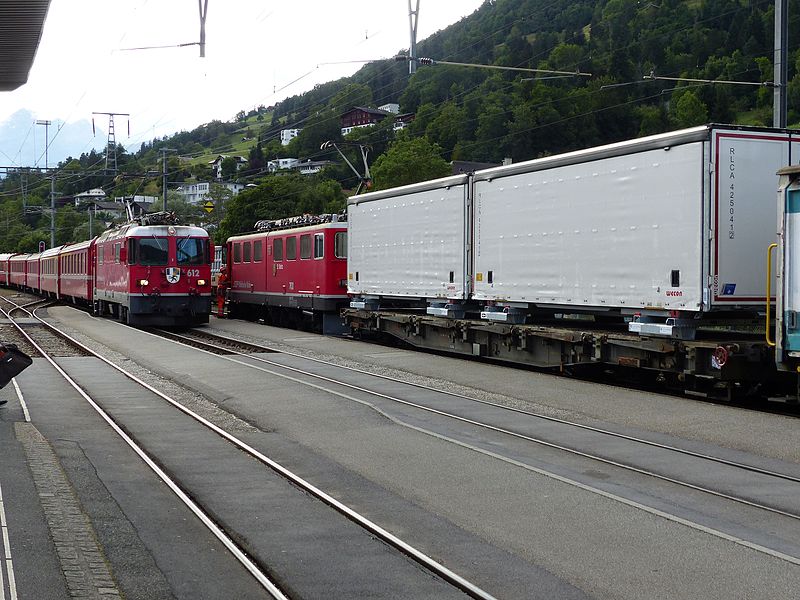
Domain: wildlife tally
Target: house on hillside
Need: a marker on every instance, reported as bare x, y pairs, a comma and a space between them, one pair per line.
216, 164
280, 164
311, 167
287, 135
197, 193
93, 195
115, 210
139, 199
403, 121
361, 116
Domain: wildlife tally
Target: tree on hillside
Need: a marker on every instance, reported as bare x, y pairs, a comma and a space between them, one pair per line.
255, 159
690, 110
409, 161
67, 220
229, 167
188, 214
280, 196
355, 94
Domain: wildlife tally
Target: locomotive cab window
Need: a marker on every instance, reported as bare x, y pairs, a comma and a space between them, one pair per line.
132, 251
319, 245
277, 249
340, 245
305, 246
153, 251
257, 251
192, 251
116, 252
237, 253
246, 248
291, 248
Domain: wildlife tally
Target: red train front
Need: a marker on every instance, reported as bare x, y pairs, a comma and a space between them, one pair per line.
154, 273
292, 272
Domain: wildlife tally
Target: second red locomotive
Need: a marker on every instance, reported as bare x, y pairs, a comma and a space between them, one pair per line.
290, 272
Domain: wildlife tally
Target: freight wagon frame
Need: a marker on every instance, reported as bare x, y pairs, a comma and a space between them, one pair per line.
725, 365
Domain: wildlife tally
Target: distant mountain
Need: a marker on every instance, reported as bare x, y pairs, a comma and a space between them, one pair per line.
23, 144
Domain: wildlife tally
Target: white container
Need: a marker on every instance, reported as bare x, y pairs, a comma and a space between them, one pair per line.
410, 242
676, 221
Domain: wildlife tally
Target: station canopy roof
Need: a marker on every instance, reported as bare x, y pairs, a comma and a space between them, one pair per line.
21, 24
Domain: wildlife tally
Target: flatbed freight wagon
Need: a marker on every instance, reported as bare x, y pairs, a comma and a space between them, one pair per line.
618, 254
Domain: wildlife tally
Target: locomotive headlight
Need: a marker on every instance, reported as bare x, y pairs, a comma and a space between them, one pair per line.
201, 282
144, 282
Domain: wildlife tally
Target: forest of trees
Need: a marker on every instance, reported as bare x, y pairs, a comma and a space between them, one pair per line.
608, 49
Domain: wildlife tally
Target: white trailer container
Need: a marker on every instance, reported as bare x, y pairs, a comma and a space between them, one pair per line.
672, 222
410, 242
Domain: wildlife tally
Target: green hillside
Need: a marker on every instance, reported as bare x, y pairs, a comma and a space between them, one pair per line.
607, 53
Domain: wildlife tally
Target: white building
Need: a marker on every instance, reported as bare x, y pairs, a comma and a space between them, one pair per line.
93, 195
216, 164
197, 193
142, 200
287, 135
280, 164
310, 167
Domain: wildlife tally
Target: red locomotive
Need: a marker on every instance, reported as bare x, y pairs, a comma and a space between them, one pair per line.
147, 272
290, 272
153, 272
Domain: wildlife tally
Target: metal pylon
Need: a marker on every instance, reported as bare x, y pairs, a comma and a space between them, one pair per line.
111, 146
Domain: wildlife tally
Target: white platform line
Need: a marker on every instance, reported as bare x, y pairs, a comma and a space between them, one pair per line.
12, 582
22, 401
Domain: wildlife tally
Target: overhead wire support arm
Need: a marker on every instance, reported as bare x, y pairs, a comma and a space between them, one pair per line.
366, 179
429, 61
654, 77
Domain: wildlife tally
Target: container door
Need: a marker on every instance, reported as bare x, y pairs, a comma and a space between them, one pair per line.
744, 211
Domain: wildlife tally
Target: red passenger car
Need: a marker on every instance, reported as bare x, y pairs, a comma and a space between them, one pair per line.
48, 276
294, 270
32, 271
153, 274
5, 269
17, 269
77, 271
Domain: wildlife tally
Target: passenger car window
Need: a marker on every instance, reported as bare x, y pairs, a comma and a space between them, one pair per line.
305, 246
319, 245
340, 245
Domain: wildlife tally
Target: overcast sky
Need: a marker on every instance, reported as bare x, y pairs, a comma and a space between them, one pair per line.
255, 50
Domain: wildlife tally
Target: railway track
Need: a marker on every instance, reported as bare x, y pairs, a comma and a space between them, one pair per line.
42, 337
633, 466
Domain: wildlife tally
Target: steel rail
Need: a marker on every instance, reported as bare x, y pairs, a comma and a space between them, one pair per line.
514, 434
616, 434
429, 563
216, 530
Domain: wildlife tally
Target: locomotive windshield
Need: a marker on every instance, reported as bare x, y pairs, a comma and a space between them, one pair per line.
193, 251
153, 251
